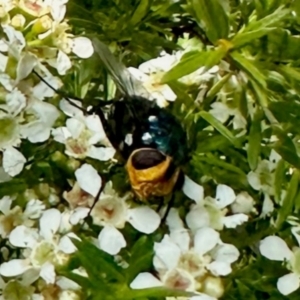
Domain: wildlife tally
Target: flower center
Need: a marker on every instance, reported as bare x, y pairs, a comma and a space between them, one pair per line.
42, 253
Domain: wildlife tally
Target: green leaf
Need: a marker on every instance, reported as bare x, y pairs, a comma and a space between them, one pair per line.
12, 187
249, 68
157, 293
211, 159
192, 61
218, 126
288, 201
212, 18
141, 258
215, 89
286, 148
254, 140
243, 38
211, 143
269, 20
140, 12
99, 265
278, 180
290, 72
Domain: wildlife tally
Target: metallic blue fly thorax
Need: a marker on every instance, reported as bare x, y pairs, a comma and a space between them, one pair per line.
165, 134
149, 126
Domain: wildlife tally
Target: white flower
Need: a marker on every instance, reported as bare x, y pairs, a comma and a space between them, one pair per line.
11, 135
12, 217
112, 212
275, 248
160, 92
222, 112
81, 136
210, 212
185, 264
262, 178
82, 47
39, 130
13, 161
43, 249
243, 203
88, 179
193, 190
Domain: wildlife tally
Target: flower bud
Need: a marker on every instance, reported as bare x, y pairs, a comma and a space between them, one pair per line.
213, 287
18, 21
42, 25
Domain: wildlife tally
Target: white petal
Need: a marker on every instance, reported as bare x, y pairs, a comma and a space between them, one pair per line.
63, 63
111, 240
88, 179
34, 209
193, 190
14, 267
30, 276
101, 153
173, 220
16, 101
220, 111
203, 297
67, 284
234, 220
224, 195
94, 124
49, 223
23, 236
79, 214
75, 127
206, 239
219, 268
3, 62
25, 65
182, 238
35, 132
143, 219
197, 218
13, 161
41, 90
288, 283
61, 134
70, 110
268, 206
48, 273
243, 203
138, 74
65, 244
82, 47
145, 280
226, 253
295, 231
5, 204
275, 248
46, 112
168, 252
58, 11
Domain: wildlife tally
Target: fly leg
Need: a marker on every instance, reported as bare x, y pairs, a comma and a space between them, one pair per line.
96, 199
161, 203
169, 206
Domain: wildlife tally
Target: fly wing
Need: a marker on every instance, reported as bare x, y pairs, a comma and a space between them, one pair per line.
127, 84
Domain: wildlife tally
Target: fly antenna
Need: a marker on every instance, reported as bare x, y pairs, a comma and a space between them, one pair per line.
59, 93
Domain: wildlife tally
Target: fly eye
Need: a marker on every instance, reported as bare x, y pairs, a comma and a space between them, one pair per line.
147, 158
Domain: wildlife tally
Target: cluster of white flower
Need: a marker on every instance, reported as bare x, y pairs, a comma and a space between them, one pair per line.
36, 36
23, 113
194, 259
